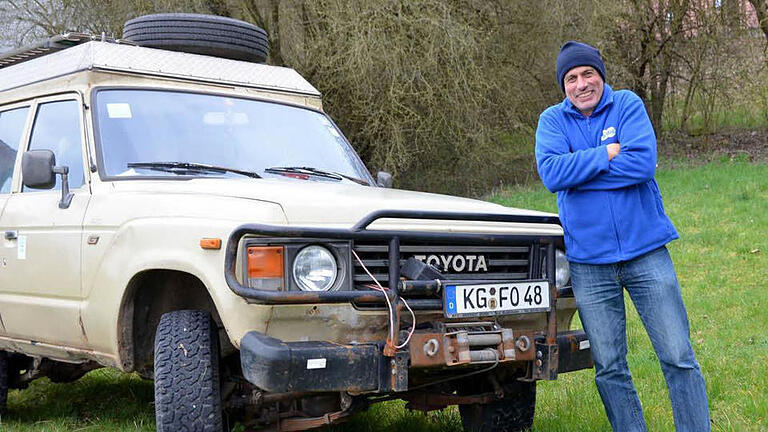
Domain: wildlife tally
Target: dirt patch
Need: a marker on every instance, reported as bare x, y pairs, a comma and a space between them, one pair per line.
678, 147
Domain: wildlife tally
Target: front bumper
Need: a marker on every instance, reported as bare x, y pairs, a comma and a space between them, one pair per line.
320, 366
377, 367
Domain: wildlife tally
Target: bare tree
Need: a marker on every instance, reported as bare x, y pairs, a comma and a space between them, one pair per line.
22, 21
761, 10
446, 93
266, 14
643, 43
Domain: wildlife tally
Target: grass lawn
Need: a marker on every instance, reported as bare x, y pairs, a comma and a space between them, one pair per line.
721, 212
721, 258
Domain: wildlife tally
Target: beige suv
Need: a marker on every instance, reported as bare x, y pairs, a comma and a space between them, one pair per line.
200, 220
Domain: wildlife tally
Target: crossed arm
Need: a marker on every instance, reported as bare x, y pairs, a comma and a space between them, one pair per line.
604, 167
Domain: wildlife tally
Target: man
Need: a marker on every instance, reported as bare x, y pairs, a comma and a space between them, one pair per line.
597, 150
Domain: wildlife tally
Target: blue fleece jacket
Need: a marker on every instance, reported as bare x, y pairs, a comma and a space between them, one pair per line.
610, 211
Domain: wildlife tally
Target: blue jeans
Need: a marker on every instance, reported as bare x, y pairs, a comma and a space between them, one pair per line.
652, 285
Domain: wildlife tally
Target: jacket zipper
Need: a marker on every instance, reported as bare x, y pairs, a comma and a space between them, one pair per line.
613, 216
610, 200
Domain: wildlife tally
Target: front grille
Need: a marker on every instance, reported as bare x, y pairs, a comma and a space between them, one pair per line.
461, 263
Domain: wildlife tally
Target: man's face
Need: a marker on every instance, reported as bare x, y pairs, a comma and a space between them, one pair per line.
584, 88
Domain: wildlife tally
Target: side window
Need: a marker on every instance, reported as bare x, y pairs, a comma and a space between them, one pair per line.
57, 128
11, 127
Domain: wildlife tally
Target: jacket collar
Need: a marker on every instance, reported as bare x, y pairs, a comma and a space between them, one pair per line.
605, 101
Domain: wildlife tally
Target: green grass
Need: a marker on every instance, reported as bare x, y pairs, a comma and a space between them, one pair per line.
721, 212
103, 400
710, 115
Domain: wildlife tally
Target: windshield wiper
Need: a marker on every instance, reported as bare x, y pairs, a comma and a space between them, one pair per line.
315, 172
189, 168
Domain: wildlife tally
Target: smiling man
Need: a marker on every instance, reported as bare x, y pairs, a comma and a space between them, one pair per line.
597, 150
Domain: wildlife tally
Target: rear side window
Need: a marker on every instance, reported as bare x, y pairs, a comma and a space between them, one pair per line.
57, 128
11, 128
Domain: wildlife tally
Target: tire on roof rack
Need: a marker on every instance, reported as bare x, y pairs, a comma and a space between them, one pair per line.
199, 34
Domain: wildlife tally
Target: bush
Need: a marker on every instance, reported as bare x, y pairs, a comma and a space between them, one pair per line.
446, 94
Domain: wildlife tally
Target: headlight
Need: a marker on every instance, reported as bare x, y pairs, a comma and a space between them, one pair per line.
314, 269
562, 269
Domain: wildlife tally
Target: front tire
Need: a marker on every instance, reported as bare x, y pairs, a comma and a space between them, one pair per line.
514, 413
187, 383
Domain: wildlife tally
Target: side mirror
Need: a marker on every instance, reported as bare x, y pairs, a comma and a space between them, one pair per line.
384, 179
38, 171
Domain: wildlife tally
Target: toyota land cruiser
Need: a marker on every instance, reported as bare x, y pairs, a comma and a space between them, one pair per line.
194, 216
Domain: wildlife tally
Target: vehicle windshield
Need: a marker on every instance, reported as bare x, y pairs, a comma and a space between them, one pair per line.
169, 133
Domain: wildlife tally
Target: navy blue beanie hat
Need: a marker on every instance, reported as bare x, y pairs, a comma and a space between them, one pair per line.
574, 54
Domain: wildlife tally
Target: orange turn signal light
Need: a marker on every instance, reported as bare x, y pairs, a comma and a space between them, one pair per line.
265, 262
210, 243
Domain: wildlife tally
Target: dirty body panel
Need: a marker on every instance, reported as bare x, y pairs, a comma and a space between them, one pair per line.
441, 342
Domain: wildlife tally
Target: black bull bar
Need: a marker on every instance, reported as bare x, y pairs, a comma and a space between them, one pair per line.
360, 231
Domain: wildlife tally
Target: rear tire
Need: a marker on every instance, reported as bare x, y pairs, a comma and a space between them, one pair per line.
187, 383
514, 413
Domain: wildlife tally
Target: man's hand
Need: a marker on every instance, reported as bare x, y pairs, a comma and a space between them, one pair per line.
613, 150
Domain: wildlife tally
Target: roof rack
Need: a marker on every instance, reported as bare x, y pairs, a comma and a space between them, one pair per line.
52, 45
33, 65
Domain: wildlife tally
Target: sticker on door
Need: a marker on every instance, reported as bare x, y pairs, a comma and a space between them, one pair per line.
21, 251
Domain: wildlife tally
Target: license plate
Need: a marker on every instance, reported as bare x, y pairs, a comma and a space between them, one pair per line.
496, 298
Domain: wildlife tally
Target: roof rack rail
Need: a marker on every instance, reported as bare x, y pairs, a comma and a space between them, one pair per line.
52, 45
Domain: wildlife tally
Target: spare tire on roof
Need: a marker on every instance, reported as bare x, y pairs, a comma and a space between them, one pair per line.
199, 34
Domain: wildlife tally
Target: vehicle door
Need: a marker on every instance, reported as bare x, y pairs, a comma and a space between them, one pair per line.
14, 121
41, 285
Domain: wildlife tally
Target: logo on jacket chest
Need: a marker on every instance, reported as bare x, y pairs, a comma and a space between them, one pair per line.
608, 133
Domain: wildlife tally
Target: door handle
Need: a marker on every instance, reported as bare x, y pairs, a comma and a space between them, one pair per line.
11, 235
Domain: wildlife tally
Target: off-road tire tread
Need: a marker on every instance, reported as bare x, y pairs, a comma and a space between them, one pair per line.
187, 387
514, 413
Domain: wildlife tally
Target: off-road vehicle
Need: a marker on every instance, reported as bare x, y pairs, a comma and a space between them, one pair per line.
174, 207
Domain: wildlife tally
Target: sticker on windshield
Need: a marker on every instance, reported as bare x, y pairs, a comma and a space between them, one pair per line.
119, 110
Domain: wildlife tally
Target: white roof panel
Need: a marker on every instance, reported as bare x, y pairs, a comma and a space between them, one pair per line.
148, 61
